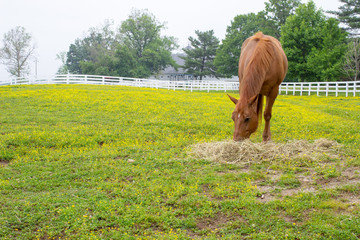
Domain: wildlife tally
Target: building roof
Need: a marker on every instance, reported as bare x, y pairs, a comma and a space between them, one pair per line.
179, 61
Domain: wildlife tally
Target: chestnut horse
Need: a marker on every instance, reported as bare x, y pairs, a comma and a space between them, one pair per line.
262, 68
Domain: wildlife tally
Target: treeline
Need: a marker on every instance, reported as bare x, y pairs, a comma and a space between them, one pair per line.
134, 49
318, 49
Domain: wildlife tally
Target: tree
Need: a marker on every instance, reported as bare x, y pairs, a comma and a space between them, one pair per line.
242, 27
349, 14
86, 52
326, 62
63, 69
136, 50
313, 45
140, 33
140, 30
17, 51
277, 11
351, 66
157, 56
199, 59
75, 55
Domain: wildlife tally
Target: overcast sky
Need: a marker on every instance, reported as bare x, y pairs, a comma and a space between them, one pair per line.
55, 24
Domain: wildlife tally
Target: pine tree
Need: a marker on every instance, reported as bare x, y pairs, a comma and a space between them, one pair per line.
199, 59
349, 14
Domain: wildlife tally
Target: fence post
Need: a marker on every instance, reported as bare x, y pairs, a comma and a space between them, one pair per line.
318, 89
67, 79
294, 88
336, 89
347, 88
355, 83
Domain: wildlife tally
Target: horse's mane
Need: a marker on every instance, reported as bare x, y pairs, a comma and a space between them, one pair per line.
258, 64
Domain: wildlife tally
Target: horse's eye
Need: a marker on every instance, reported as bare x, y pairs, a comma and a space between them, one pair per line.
247, 119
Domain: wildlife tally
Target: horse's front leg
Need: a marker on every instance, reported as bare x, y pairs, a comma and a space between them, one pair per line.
267, 114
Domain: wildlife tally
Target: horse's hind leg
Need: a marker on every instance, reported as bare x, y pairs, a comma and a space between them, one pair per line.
267, 114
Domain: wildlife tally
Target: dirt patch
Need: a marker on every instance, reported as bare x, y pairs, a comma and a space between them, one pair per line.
308, 185
214, 224
4, 163
247, 152
351, 173
287, 218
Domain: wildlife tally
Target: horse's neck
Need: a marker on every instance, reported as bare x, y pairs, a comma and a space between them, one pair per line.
248, 90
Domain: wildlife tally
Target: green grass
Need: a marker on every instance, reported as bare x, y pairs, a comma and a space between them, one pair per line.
108, 162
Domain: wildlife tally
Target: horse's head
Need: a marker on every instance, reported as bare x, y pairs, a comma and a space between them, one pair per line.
245, 117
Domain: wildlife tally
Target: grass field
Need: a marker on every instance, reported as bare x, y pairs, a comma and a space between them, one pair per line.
108, 162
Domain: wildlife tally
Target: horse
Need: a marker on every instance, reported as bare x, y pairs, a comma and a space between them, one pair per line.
262, 67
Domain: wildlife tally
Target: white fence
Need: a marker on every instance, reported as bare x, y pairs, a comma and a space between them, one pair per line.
319, 88
326, 88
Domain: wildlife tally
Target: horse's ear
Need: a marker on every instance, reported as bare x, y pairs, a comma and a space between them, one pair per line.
234, 100
252, 100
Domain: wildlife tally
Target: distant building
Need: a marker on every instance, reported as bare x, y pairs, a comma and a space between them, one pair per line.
170, 73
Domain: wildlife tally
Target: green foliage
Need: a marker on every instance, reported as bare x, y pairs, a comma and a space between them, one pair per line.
86, 55
75, 55
313, 44
277, 11
137, 50
227, 56
157, 56
326, 62
199, 59
349, 14
139, 31
246, 25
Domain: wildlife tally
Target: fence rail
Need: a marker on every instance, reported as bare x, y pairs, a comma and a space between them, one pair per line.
327, 88
288, 88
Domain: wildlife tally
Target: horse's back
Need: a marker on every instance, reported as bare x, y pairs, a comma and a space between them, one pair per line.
267, 54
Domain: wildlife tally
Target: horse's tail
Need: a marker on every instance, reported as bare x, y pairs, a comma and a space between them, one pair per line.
260, 108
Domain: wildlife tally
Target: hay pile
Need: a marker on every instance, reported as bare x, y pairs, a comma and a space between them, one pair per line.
247, 152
